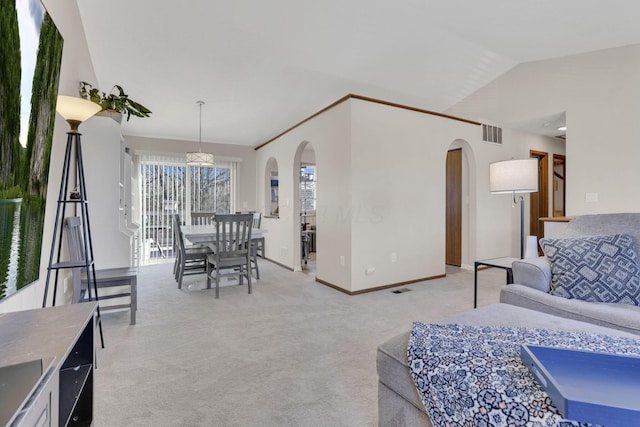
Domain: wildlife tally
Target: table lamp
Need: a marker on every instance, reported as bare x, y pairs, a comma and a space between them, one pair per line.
515, 176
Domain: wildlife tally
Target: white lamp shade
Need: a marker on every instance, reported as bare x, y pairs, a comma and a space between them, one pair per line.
76, 109
514, 176
200, 159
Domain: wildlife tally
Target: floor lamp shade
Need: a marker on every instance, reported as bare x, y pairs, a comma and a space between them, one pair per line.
76, 110
514, 176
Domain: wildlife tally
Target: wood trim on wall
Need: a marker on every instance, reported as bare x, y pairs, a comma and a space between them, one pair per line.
365, 98
278, 264
542, 195
563, 159
378, 288
418, 110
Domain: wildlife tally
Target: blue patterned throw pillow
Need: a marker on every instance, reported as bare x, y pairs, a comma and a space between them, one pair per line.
595, 269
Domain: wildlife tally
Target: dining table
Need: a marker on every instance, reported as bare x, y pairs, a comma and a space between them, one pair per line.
206, 234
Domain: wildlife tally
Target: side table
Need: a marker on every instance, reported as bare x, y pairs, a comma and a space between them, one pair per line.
504, 263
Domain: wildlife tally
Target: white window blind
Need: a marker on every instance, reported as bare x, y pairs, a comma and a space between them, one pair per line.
307, 188
169, 187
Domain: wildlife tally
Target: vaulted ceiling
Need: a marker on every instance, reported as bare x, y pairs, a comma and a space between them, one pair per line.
262, 66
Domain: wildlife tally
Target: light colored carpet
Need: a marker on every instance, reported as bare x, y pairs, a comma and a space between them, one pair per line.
294, 353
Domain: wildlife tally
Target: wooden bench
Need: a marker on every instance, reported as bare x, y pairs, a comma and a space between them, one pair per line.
117, 277
124, 277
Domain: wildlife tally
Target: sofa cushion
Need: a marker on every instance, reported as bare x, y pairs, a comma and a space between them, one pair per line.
594, 269
605, 224
622, 317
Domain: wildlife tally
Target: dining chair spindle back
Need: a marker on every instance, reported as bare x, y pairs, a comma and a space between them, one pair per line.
189, 259
202, 218
231, 251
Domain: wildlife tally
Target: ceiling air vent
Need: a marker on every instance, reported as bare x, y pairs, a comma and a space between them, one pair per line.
492, 134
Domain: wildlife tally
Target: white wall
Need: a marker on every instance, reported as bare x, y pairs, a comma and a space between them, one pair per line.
329, 134
101, 159
601, 96
381, 190
246, 173
399, 159
399, 173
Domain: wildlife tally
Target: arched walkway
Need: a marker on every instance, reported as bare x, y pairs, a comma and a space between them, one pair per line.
304, 195
461, 204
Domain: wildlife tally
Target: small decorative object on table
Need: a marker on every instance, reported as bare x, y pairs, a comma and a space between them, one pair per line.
74, 194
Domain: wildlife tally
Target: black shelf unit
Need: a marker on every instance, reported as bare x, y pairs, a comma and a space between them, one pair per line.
76, 382
73, 166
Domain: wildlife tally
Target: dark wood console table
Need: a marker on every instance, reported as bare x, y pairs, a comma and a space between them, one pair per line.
63, 394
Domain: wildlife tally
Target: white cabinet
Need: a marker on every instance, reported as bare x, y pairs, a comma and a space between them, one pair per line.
128, 224
108, 193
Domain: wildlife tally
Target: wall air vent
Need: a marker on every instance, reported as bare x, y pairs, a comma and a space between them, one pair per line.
492, 134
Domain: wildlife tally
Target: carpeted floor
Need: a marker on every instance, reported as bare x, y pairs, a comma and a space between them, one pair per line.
294, 353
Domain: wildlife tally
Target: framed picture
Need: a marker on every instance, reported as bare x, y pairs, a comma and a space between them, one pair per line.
30, 56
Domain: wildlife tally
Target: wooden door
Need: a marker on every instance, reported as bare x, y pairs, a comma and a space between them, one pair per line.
454, 208
539, 202
559, 184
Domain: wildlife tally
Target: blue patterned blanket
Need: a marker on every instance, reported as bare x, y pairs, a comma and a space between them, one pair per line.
473, 376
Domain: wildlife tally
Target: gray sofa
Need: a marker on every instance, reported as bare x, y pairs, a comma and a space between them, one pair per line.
398, 401
532, 278
524, 304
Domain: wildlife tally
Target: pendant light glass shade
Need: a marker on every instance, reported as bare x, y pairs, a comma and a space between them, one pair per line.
199, 158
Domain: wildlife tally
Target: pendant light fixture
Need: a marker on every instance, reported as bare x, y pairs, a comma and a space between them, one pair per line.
200, 158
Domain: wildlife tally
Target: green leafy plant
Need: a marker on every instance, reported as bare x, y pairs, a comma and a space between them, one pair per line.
114, 101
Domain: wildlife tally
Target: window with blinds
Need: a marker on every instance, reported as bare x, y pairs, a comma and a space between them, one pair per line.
307, 188
169, 186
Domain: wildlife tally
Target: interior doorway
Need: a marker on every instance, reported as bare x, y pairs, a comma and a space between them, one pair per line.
305, 194
454, 208
539, 202
559, 184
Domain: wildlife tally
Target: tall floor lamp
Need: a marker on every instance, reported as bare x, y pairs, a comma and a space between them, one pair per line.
74, 111
515, 176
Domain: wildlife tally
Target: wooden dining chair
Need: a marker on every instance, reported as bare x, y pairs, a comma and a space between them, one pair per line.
121, 281
257, 244
189, 259
202, 218
257, 220
232, 250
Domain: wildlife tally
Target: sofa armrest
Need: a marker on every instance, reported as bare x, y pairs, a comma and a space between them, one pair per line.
623, 317
533, 272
